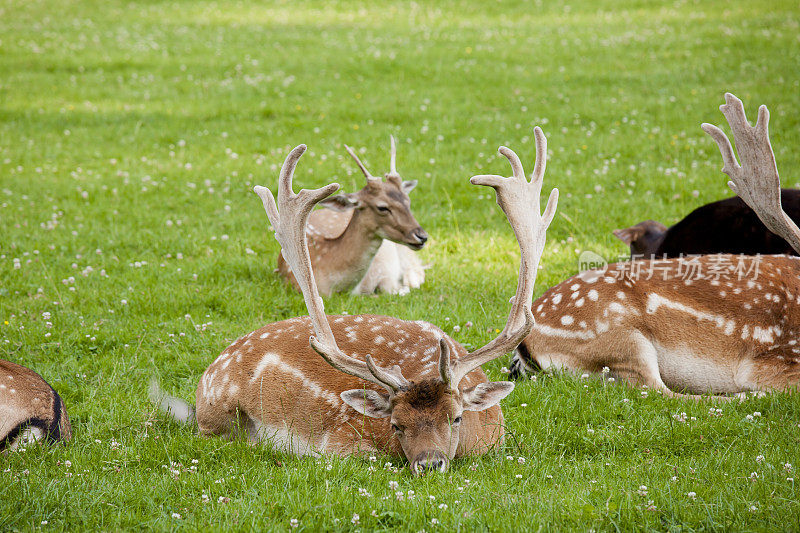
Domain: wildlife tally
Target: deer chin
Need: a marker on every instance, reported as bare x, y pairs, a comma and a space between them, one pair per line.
415, 246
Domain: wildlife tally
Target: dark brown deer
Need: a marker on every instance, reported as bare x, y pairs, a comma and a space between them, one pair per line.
727, 226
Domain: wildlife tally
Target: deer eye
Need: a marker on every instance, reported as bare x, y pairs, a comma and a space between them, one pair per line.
396, 428
383, 210
456, 420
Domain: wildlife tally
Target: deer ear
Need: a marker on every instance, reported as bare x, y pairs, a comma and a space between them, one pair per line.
628, 235
485, 395
409, 185
368, 402
341, 202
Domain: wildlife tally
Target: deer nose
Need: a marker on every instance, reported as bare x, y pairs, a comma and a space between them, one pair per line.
421, 235
429, 462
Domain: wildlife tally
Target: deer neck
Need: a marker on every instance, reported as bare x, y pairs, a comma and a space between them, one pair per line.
357, 247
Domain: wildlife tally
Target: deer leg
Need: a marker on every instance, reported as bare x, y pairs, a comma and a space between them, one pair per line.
636, 362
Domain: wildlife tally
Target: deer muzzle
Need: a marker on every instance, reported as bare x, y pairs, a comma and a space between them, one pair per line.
417, 238
429, 462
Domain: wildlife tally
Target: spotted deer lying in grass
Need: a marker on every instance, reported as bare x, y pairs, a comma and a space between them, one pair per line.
362, 241
30, 410
716, 324
366, 383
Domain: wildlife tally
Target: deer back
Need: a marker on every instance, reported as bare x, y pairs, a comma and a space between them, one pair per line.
274, 376
711, 321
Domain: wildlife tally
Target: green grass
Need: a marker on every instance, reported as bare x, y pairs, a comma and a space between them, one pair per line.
131, 133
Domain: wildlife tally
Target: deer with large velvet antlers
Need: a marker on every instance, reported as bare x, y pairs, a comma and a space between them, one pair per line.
362, 242
30, 409
365, 383
715, 324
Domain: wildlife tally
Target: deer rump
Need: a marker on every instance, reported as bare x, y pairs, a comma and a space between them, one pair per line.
727, 226
30, 409
271, 384
655, 325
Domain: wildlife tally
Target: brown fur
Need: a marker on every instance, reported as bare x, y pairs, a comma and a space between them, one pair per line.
425, 394
342, 245
27, 402
720, 336
278, 381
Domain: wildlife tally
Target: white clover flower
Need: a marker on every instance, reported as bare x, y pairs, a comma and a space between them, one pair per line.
692, 495
759, 458
394, 485
176, 516
355, 518
294, 522
642, 490
521, 460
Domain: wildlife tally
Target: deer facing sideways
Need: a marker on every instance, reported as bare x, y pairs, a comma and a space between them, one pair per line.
30, 409
345, 384
363, 241
716, 324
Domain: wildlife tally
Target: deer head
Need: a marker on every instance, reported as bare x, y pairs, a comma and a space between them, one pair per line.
383, 204
425, 415
644, 238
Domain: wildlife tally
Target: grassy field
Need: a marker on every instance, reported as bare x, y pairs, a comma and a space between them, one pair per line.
131, 134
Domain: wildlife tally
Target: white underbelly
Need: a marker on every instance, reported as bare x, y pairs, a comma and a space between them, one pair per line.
683, 370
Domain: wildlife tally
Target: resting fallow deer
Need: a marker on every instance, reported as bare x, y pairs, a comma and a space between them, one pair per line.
362, 241
715, 324
30, 410
365, 383
724, 227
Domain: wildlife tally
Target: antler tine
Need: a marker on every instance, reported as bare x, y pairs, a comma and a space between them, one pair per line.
393, 158
363, 168
519, 200
289, 218
445, 369
756, 180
